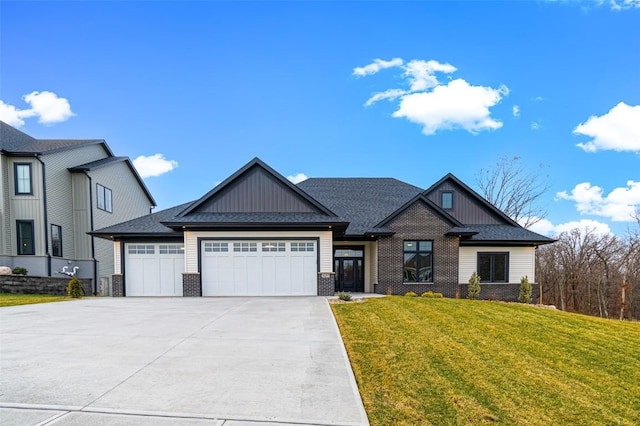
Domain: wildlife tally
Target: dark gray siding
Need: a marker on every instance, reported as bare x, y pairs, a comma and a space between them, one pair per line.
256, 192
466, 208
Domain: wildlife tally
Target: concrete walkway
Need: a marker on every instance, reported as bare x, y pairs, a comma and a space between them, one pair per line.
162, 361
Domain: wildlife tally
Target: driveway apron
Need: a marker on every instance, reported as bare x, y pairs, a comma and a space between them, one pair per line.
176, 360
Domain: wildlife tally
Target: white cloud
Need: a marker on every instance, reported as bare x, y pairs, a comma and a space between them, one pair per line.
619, 205
535, 125
617, 130
616, 5
434, 105
375, 66
624, 4
297, 178
456, 105
153, 165
47, 106
516, 111
545, 227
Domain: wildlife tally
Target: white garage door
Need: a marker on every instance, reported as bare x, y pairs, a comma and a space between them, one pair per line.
259, 268
154, 269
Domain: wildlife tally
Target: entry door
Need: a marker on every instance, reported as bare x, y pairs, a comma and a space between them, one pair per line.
349, 274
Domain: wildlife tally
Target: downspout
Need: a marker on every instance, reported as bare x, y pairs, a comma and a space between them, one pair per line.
46, 217
94, 286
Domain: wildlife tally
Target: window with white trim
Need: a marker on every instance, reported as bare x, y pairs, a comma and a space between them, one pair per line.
245, 247
215, 247
141, 249
302, 246
171, 248
274, 246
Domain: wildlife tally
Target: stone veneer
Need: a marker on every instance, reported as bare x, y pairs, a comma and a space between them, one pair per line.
21, 284
418, 222
191, 286
326, 283
117, 285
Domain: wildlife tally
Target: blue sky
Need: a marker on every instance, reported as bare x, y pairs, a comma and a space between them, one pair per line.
411, 90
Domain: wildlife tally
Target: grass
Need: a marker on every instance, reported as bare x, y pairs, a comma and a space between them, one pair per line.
8, 299
461, 362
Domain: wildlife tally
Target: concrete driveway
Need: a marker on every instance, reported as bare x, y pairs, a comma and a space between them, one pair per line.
157, 361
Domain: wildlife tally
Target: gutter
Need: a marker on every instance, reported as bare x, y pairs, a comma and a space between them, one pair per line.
46, 217
94, 287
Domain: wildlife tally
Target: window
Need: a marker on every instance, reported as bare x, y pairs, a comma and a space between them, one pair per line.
273, 246
245, 247
104, 198
446, 200
56, 240
215, 247
418, 261
493, 267
303, 246
141, 249
25, 235
171, 248
22, 176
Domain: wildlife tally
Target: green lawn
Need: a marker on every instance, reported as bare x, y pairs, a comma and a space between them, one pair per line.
459, 362
8, 299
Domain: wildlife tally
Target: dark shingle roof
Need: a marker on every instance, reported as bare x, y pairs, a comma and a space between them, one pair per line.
14, 141
149, 224
500, 233
97, 164
364, 202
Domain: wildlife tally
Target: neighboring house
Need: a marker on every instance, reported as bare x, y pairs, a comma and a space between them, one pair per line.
256, 233
52, 193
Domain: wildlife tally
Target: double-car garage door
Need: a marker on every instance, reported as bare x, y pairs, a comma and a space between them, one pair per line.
228, 268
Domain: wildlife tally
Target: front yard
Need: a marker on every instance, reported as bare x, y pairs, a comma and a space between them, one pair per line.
447, 361
8, 299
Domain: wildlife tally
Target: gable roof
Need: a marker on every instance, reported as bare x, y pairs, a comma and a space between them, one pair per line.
480, 199
364, 202
148, 225
286, 188
420, 198
93, 165
15, 142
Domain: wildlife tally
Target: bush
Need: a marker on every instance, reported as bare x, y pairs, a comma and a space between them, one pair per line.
74, 288
473, 291
431, 295
343, 295
410, 294
525, 290
18, 270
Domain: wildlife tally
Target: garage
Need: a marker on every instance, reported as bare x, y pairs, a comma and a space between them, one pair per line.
259, 268
154, 269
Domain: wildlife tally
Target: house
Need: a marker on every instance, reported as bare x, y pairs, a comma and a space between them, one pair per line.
52, 193
256, 233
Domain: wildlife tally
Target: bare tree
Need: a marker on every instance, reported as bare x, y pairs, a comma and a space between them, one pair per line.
515, 190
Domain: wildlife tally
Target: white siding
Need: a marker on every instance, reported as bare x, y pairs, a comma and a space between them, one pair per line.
326, 244
117, 258
521, 262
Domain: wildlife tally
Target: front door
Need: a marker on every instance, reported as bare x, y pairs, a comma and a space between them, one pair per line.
349, 270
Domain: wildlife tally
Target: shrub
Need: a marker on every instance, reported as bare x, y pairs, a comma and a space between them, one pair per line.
473, 291
343, 295
18, 270
525, 290
410, 294
431, 295
74, 288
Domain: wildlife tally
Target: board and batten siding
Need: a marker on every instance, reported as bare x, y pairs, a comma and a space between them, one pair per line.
466, 208
129, 201
4, 201
26, 207
521, 262
325, 246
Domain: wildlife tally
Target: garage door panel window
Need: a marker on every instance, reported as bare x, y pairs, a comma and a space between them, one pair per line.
245, 247
216, 247
141, 249
171, 248
274, 246
302, 246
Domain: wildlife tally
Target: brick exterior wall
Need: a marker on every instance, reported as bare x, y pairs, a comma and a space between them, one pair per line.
20, 284
326, 283
504, 292
418, 222
191, 286
117, 285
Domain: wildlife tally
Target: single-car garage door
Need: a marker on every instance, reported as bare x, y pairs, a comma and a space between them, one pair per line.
154, 269
259, 268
